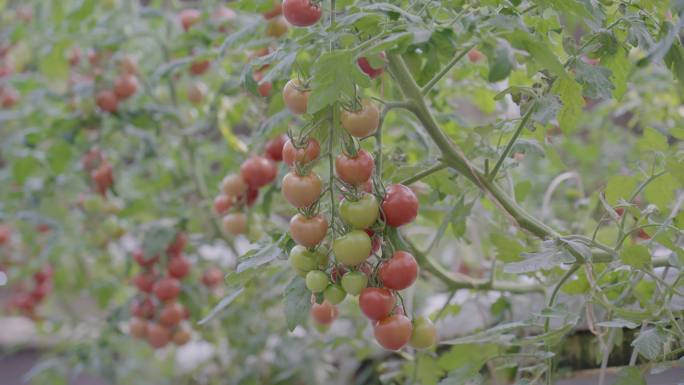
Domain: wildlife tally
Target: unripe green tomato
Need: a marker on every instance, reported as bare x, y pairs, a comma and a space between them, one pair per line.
316, 281
354, 282
360, 214
424, 333
334, 294
254, 230
302, 259
321, 257
352, 248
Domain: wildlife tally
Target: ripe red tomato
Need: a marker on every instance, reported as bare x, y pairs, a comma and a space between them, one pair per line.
474, 55
424, 333
277, 10
308, 232
91, 159
355, 170
158, 336
189, 17
376, 303
9, 96
302, 155
167, 288
107, 101
295, 97
368, 69
196, 92
393, 332
222, 204
264, 88
235, 223
274, 148
212, 277
399, 272
44, 274
144, 281
178, 267
198, 67
362, 122
252, 195
400, 205
258, 171
139, 257
234, 185
40, 291
276, 27
181, 337
171, 314
125, 86
143, 308
324, 313
138, 327
302, 190
103, 177
5, 234
301, 13
178, 244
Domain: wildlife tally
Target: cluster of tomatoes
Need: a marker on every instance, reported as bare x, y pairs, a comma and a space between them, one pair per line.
157, 314
241, 190
98, 168
9, 96
123, 87
364, 264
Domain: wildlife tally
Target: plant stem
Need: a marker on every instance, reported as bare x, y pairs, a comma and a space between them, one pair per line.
423, 174
509, 146
445, 70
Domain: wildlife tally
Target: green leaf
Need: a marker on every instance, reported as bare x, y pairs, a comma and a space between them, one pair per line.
649, 343
661, 191
297, 303
595, 80
501, 61
620, 187
570, 93
222, 305
550, 256
540, 51
637, 256
428, 371
55, 68
157, 239
630, 375
59, 156
508, 249
473, 355
22, 168
568, 7
652, 140
619, 65
334, 75
260, 255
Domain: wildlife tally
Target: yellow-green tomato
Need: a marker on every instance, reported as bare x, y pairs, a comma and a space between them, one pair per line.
302, 259
334, 294
360, 214
352, 248
424, 333
354, 282
316, 281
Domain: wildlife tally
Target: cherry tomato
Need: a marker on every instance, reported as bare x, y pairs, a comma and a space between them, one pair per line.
393, 332
264, 88
212, 277
189, 17
44, 274
178, 244
198, 67
400, 205
196, 92
474, 55
368, 69
103, 177
167, 288
354, 282
302, 190
5, 234
337, 272
143, 308
252, 195
324, 313
316, 281
360, 214
144, 281
41, 291
178, 267
235, 223
171, 314
138, 327
362, 122
398, 272
301, 13
139, 257
308, 232
303, 260
234, 185
258, 171
376, 303
295, 97
355, 170
277, 10
222, 204
276, 27
181, 337
158, 336
9, 96
125, 86
334, 294
274, 148
107, 101
352, 248
424, 333
301, 155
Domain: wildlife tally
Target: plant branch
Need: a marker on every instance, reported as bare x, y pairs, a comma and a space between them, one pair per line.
509, 146
423, 174
445, 70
